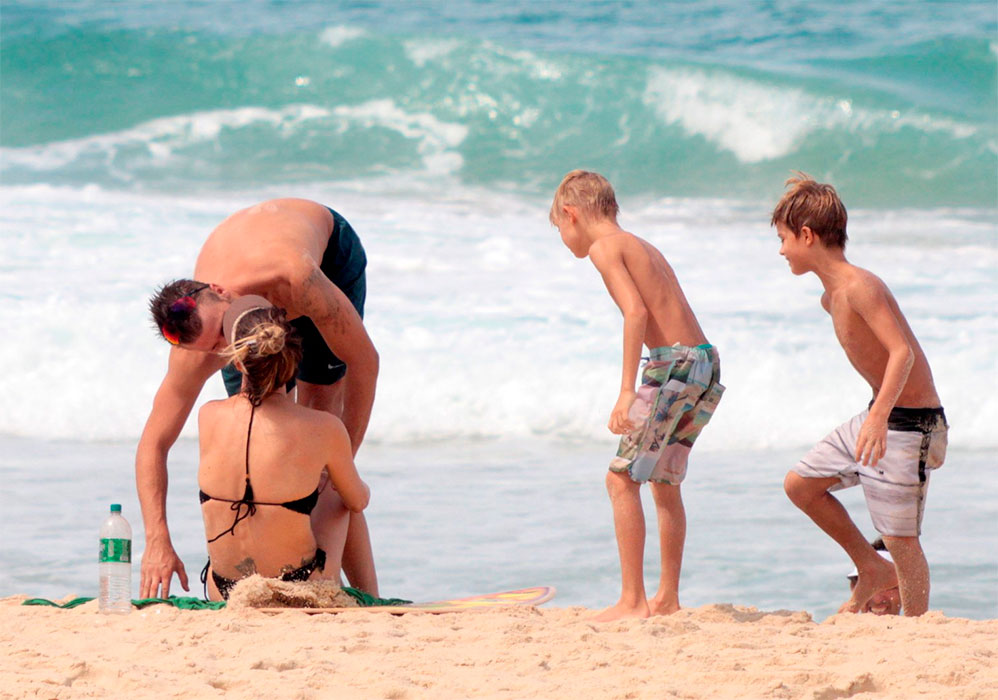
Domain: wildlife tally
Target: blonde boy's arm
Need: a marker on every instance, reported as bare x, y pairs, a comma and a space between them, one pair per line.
609, 261
870, 302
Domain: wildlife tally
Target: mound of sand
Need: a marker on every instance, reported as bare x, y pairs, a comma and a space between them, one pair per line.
258, 592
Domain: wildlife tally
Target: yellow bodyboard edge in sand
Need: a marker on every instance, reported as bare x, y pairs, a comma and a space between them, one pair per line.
523, 597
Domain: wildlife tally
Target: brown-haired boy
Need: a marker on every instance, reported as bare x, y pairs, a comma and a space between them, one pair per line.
888, 448
679, 386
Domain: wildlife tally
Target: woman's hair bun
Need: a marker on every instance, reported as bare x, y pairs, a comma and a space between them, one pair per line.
269, 339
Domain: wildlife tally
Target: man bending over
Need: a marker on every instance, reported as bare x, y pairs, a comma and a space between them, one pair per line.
306, 259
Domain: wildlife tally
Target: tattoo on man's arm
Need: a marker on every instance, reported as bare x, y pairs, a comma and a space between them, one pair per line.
321, 307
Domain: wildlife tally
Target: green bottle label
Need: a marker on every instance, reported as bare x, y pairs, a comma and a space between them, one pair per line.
115, 551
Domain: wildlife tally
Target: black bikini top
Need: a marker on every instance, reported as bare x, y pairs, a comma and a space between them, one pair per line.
304, 505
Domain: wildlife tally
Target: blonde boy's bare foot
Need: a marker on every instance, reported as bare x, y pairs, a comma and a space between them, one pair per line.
622, 610
871, 582
661, 606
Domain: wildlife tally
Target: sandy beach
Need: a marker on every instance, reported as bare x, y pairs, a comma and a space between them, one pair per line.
714, 651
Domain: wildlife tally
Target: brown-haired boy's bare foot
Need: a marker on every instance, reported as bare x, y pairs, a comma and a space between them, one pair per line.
662, 606
871, 581
622, 610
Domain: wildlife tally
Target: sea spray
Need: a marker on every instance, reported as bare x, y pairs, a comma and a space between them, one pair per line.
487, 327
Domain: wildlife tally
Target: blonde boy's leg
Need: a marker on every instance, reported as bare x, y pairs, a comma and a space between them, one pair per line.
912, 571
811, 495
672, 538
629, 525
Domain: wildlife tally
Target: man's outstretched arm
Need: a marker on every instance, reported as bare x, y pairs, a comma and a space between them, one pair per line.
186, 374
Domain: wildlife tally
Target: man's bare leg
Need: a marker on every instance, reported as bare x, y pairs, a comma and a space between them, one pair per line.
330, 521
875, 573
912, 571
629, 525
358, 557
672, 538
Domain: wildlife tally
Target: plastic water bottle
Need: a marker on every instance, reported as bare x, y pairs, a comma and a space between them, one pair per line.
115, 563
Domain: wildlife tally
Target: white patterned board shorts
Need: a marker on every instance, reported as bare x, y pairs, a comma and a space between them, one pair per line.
680, 388
895, 489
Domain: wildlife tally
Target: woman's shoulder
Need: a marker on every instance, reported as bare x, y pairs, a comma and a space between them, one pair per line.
317, 418
212, 409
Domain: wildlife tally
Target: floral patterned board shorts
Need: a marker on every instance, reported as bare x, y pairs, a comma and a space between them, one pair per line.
680, 388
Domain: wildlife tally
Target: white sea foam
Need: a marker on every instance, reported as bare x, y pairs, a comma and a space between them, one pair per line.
752, 120
758, 121
423, 51
160, 137
337, 36
486, 325
436, 138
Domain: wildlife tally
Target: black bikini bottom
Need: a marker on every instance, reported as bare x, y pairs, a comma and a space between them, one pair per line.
302, 573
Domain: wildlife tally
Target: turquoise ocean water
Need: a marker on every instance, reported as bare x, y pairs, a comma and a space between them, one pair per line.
128, 130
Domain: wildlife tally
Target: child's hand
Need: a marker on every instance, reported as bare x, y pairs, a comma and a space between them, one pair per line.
871, 444
620, 422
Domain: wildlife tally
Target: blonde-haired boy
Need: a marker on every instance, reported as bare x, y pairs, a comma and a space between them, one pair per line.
679, 385
888, 448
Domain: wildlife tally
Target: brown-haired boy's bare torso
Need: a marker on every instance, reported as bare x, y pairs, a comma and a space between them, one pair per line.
862, 290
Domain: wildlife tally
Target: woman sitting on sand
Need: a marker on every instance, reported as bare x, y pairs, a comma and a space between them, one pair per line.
262, 461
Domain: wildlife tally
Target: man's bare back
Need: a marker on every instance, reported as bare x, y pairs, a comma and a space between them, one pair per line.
864, 350
262, 249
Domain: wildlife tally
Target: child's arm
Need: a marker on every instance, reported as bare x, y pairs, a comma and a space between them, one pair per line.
609, 260
869, 300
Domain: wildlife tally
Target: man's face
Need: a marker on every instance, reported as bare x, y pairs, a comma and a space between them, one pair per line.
211, 338
793, 249
884, 603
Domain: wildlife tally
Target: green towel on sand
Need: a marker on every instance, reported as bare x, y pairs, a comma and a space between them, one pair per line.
364, 600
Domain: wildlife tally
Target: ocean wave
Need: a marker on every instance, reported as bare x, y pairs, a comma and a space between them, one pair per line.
162, 144
759, 121
345, 102
161, 138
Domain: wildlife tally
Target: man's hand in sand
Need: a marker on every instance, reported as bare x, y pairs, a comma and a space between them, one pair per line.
159, 563
877, 578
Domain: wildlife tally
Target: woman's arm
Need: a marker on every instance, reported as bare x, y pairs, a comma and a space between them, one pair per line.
340, 467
